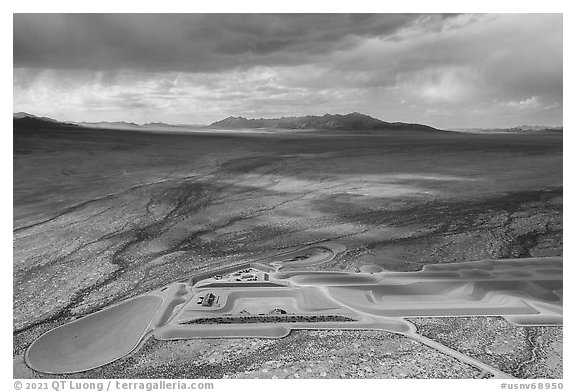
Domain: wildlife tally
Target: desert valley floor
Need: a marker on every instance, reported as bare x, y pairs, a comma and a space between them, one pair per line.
103, 216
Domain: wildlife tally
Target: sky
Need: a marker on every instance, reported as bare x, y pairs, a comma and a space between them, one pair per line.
444, 70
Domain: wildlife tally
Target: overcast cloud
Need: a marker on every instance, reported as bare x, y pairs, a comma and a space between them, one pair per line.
442, 70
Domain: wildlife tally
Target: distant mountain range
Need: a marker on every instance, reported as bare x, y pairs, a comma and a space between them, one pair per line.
535, 128
27, 120
352, 121
24, 119
109, 125
135, 127
128, 125
24, 115
518, 129
21, 115
345, 122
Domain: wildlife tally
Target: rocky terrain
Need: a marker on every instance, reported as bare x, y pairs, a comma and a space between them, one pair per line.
523, 352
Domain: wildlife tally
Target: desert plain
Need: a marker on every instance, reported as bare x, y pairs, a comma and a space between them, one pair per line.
102, 216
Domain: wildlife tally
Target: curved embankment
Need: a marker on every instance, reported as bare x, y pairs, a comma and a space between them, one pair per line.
173, 296
94, 340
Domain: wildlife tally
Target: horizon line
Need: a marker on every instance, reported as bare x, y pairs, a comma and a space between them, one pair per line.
275, 118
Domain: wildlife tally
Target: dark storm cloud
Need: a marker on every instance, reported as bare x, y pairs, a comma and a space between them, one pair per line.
442, 70
191, 43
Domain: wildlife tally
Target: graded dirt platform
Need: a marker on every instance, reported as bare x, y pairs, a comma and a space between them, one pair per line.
264, 300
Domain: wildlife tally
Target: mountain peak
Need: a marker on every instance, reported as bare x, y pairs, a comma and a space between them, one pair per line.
21, 115
24, 119
354, 121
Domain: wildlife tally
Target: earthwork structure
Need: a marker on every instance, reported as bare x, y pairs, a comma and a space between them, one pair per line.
271, 297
